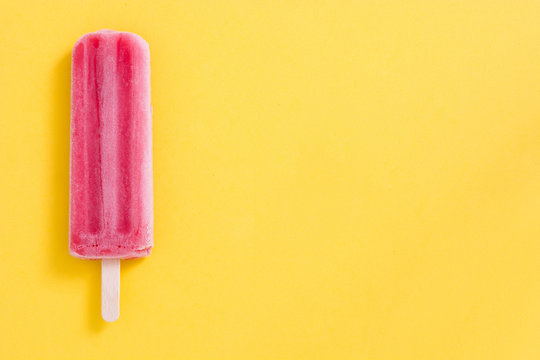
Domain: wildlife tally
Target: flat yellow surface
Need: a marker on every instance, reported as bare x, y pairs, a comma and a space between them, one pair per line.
333, 180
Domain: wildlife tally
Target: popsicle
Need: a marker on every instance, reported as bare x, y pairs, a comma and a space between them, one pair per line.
111, 196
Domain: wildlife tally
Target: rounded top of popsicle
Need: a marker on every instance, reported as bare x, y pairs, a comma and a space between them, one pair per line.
108, 33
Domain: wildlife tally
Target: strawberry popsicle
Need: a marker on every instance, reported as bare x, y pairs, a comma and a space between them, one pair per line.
111, 199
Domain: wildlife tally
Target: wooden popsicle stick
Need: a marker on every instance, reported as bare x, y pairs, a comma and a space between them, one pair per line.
110, 289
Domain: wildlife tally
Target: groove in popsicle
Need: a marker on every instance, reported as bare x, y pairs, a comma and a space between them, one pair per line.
126, 126
94, 195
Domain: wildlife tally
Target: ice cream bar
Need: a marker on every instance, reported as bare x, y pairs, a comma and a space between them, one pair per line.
111, 200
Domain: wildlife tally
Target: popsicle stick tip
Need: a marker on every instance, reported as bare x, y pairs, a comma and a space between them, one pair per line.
110, 317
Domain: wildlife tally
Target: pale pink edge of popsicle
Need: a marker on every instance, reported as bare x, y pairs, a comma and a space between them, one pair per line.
139, 253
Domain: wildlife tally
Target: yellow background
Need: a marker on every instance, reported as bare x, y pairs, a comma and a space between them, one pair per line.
333, 180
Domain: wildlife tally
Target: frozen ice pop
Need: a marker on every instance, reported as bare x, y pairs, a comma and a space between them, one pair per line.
111, 198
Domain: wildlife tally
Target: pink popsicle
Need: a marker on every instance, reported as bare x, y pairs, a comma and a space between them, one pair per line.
111, 198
